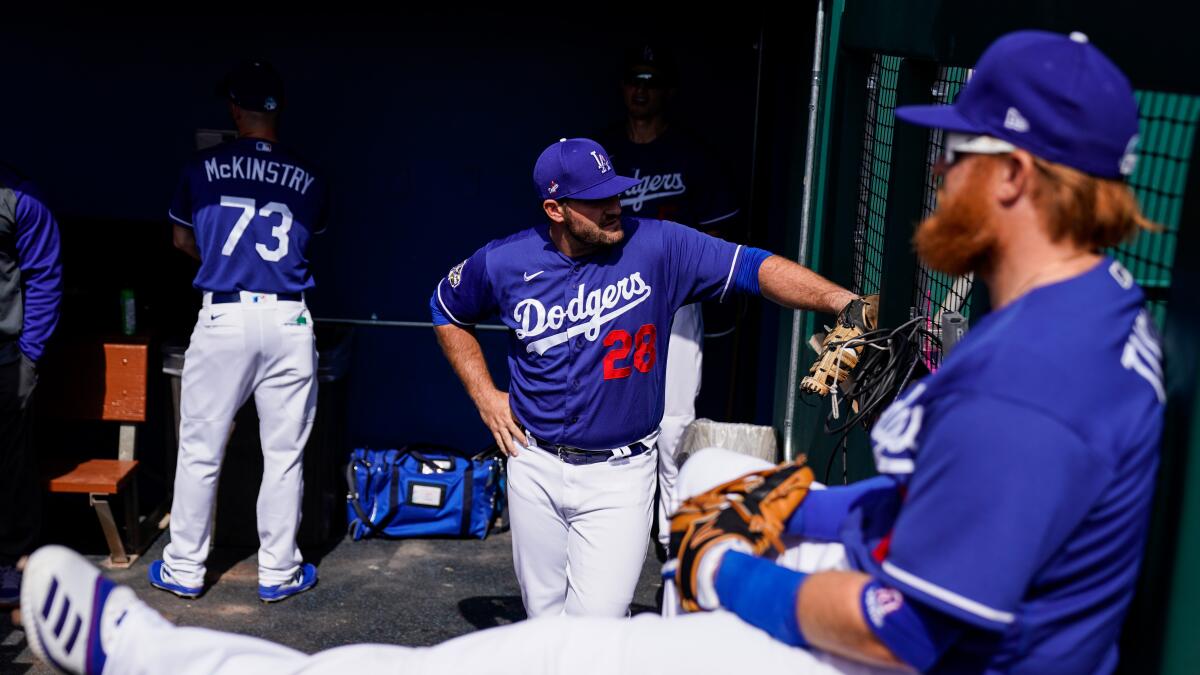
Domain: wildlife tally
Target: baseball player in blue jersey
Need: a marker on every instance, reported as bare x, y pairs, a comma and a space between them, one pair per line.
1006, 528
30, 293
590, 297
246, 209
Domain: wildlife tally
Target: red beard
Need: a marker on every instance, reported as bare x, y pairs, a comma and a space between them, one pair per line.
960, 235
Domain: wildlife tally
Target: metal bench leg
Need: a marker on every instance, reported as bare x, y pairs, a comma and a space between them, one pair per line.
117, 555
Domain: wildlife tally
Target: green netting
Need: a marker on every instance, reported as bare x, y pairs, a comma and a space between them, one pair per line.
1167, 130
874, 172
934, 292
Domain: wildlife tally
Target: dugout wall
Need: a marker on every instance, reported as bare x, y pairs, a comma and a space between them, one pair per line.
871, 181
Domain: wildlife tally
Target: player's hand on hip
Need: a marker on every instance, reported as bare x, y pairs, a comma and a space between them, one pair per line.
497, 415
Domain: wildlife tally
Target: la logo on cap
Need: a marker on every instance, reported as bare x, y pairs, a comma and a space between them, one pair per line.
602, 162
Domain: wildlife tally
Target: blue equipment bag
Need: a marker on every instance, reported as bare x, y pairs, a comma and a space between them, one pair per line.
423, 491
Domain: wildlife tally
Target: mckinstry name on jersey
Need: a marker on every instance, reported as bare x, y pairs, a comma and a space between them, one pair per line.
259, 169
252, 207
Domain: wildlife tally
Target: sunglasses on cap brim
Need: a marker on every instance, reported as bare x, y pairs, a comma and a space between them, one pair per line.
957, 144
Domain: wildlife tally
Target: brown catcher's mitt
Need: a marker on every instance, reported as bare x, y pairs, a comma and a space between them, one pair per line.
835, 362
753, 508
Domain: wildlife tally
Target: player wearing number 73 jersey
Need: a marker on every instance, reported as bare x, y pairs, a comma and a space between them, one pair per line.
246, 210
589, 298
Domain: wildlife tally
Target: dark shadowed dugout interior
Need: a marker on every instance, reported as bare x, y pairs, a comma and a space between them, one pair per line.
427, 126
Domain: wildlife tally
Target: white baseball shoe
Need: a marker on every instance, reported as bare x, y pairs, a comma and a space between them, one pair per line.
70, 611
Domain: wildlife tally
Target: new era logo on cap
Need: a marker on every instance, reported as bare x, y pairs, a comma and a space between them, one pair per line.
1015, 121
578, 168
1129, 160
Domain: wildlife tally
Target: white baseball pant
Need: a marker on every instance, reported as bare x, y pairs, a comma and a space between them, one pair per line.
263, 347
685, 358
579, 533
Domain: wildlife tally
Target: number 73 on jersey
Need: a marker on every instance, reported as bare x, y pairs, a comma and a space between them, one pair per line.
249, 210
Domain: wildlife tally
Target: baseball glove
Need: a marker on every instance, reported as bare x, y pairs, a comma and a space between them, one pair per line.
751, 511
834, 363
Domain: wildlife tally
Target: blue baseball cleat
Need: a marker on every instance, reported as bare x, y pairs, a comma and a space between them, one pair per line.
70, 612
160, 577
305, 578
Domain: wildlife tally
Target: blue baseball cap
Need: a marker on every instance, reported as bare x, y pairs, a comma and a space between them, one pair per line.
1056, 96
578, 168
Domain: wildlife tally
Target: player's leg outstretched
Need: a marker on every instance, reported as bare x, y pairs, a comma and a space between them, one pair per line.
80, 622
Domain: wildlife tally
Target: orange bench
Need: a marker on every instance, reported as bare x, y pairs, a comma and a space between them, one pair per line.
103, 382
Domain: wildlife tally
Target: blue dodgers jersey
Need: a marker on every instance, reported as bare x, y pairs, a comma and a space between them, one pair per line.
589, 335
253, 207
1029, 461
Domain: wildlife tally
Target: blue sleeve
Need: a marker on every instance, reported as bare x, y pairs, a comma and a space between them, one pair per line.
465, 295
701, 265
915, 634
41, 273
745, 276
1020, 483
181, 204
821, 513
435, 310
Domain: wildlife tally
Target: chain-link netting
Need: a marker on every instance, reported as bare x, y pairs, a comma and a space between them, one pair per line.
935, 293
874, 172
1168, 124
1167, 131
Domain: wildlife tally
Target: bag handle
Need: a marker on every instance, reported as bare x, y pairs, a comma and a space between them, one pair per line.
428, 463
352, 496
373, 527
411, 450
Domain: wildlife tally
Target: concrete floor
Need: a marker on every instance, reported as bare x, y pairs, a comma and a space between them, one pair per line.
412, 592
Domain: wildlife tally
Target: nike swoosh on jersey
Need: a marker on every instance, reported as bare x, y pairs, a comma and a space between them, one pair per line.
529, 277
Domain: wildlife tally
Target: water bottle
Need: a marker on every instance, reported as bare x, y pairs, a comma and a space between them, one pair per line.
128, 312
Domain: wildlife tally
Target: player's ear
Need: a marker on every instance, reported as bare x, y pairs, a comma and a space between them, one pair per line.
1016, 176
554, 210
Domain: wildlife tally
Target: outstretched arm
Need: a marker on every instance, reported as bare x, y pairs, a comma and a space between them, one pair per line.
793, 285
